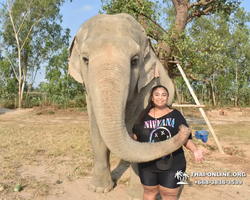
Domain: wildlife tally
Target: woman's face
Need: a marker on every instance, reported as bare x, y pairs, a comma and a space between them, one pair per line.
160, 97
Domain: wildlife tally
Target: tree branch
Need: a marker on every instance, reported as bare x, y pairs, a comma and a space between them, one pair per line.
199, 13
30, 31
24, 17
11, 19
154, 22
4, 6
150, 19
11, 64
200, 3
175, 62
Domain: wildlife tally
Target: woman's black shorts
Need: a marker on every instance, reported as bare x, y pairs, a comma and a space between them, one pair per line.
164, 178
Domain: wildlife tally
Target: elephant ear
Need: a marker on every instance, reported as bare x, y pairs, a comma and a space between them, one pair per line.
74, 62
150, 70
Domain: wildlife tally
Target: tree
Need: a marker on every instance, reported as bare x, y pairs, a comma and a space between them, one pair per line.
240, 55
178, 13
59, 82
26, 33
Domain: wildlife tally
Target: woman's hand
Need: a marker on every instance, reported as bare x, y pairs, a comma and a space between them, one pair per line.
133, 136
198, 155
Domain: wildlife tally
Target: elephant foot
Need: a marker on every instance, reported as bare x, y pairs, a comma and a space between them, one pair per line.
101, 184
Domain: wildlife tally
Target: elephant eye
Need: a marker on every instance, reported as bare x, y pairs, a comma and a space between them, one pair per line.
85, 60
134, 61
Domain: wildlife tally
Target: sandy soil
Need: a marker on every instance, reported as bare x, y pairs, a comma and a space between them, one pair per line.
77, 189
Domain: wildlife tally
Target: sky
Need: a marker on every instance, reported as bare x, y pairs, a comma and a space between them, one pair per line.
75, 13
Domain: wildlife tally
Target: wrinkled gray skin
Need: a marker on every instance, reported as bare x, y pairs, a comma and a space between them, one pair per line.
112, 56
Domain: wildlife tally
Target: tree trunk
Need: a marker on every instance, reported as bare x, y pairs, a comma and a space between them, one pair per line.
214, 101
20, 78
212, 82
209, 95
27, 95
236, 85
178, 95
19, 94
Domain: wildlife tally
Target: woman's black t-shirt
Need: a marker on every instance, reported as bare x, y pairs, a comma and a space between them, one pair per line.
152, 130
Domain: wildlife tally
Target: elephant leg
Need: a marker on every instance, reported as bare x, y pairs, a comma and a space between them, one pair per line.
135, 190
101, 180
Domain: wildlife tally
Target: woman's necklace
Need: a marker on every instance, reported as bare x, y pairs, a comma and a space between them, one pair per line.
155, 118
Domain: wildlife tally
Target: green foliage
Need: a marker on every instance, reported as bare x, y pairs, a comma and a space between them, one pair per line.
226, 6
130, 6
30, 32
8, 100
62, 88
80, 101
35, 101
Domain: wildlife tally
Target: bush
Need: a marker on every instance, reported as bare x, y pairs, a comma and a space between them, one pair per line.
8, 100
34, 101
80, 101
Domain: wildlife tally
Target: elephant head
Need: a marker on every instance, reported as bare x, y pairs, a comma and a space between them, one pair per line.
112, 56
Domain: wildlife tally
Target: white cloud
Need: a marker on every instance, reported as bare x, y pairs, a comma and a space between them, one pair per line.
84, 8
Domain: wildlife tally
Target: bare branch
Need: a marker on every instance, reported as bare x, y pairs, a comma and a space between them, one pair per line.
154, 22
200, 3
28, 9
175, 62
206, 10
10, 64
143, 14
12, 22
4, 6
151, 33
198, 13
30, 32
197, 79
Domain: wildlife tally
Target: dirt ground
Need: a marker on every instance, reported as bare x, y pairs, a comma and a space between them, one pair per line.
48, 175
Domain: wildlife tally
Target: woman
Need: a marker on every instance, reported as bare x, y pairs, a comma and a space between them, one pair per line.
158, 122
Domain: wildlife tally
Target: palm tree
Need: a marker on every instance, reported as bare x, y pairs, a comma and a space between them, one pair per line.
185, 177
178, 174
181, 176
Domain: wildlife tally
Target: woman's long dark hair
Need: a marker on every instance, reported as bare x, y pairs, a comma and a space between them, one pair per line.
150, 105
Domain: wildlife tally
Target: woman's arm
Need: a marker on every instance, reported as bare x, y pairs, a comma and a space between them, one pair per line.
198, 153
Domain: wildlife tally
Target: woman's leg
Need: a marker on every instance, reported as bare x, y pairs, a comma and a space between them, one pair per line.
149, 182
169, 193
168, 183
150, 192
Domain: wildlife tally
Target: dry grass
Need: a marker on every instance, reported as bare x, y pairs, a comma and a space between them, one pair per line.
44, 138
47, 141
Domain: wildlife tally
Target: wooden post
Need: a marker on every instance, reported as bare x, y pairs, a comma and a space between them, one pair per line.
187, 105
201, 109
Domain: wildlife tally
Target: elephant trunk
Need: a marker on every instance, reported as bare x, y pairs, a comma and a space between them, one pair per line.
110, 115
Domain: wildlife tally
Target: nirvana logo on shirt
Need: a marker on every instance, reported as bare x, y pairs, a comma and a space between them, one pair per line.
159, 122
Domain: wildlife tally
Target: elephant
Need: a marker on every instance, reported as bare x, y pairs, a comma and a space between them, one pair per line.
113, 58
